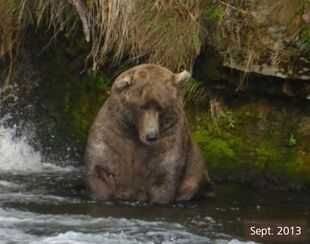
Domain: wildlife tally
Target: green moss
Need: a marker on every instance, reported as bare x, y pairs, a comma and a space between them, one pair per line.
254, 141
269, 160
304, 42
70, 99
215, 13
219, 147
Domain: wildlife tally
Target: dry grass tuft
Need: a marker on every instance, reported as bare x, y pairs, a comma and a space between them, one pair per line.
260, 36
163, 32
166, 32
18, 15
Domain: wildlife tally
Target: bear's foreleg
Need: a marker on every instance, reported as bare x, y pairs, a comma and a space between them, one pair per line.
195, 177
101, 185
163, 189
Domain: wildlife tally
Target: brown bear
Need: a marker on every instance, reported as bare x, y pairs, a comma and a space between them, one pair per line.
139, 146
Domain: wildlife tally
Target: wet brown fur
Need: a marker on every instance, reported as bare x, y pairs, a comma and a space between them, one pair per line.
122, 164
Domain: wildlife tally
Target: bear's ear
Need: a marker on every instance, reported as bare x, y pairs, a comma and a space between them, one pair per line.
123, 82
181, 78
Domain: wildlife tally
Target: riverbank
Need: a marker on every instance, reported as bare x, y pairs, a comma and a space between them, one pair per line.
256, 139
58, 210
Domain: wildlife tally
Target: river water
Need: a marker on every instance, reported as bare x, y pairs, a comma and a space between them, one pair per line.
43, 202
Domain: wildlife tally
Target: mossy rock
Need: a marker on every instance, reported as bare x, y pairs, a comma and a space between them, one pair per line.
256, 140
67, 102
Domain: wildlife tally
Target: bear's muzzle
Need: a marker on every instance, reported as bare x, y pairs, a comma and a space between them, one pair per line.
149, 127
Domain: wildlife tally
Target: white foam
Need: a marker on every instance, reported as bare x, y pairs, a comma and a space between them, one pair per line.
27, 227
72, 237
22, 227
17, 156
234, 241
8, 235
20, 197
8, 185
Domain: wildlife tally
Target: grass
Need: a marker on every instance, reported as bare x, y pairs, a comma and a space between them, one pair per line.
195, 92
17, 16
170, 33
148, 30
164, 32
250, 34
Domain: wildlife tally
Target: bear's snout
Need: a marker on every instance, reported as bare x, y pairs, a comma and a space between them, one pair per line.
152, 136
149, 127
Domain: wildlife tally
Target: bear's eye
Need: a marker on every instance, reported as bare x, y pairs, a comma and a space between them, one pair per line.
140, 90
144, 107
160, 109
166, 121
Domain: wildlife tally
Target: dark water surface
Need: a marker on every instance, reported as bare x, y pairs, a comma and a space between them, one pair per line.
44, 203
49, 207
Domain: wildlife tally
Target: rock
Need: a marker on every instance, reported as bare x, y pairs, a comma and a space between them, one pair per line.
268, 38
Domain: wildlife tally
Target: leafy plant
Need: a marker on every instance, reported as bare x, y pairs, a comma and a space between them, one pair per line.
227, 119
292, 140
194, 92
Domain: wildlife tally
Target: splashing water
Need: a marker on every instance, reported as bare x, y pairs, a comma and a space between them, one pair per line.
20, 226
30, 184
18, 156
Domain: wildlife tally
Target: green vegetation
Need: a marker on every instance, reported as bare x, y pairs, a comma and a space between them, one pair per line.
252, 35
304, 42
292, 141
215, 13
261, 146
71, 100
195, 92
246, 142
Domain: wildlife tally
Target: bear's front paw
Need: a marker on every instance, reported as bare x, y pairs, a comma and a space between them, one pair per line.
161, 194
187, 190
184, 197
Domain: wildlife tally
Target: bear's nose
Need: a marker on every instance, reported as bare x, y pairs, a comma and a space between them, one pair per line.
152, 136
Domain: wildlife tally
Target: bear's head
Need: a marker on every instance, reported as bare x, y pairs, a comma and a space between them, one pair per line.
151, 100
